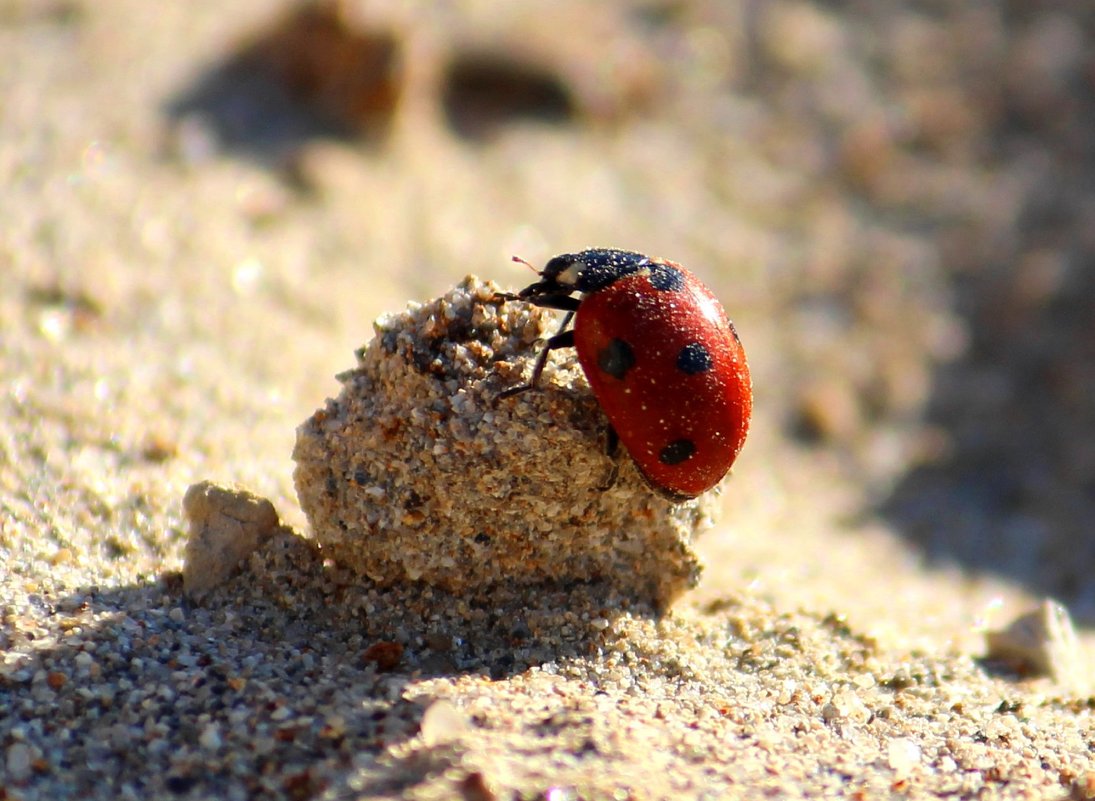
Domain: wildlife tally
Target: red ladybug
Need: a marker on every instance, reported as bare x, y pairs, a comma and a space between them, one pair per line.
664, 362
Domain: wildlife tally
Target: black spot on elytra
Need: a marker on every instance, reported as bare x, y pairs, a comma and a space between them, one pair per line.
677, 451
616, 358
694, 359
666, 278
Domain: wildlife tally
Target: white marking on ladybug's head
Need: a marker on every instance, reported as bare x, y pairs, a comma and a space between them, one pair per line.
569, 276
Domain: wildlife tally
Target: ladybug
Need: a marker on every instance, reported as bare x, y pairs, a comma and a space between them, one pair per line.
664, 362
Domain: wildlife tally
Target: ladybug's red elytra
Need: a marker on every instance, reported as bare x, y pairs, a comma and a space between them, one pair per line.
663, 359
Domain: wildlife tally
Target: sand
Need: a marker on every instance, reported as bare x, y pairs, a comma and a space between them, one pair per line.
894, 205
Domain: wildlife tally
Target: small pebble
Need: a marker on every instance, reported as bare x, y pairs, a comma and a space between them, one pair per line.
210, 738
902, 755
19, 760
226, 524
1043, 642
442, 723
384, 654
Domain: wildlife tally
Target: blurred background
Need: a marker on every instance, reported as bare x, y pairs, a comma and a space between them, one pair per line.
202, 211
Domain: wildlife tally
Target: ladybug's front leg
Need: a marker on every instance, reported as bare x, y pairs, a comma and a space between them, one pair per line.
563, 339
563, 301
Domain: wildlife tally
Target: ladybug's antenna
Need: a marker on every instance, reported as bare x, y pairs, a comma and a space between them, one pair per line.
519, 260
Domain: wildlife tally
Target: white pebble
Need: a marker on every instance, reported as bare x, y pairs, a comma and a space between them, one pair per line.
210, 738
902, 754
1044, 642
442, 723
18, 760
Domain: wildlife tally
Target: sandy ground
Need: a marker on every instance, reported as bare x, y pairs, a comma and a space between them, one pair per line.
894, 202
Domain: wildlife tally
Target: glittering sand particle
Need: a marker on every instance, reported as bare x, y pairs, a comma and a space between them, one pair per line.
416, 472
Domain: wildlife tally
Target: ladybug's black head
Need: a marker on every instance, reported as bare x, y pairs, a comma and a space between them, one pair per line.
586, 271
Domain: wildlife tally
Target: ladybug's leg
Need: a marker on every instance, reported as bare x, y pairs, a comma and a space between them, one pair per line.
562, 302
612, 451
563, 339
558, 300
